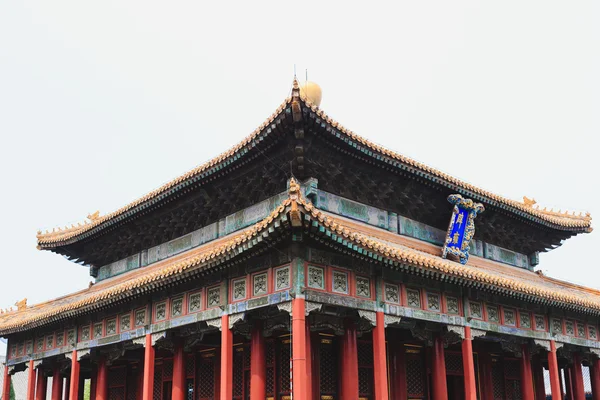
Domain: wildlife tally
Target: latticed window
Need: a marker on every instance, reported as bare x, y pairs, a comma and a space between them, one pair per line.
512, 375
415, 374
117, 377
365, 369
206, 376
270, 363
238, 372
285, 353
497, 380
454, 363
328, 368
158, 381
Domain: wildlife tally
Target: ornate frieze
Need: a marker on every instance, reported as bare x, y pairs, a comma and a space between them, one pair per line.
311, 306
177, 307
492, 313
475, 310
525, 319
545, 344
282, 278
340, 282
215, 323
83, 353
391, 293
509, 317
235, 318
433, 301
316, 277
111, 326
195, 302
452, 305
285, 307
158, 336
475, 333
140, 317
213, 295
457, 330
413, 297
391, 320
540, 322
259, 284
363, 287
370, 316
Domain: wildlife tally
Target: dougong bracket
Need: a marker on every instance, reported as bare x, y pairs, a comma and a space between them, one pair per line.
461, 228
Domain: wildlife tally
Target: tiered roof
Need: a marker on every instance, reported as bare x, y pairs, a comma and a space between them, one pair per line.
381, 246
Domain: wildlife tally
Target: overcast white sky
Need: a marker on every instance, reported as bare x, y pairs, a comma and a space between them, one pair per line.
102, 102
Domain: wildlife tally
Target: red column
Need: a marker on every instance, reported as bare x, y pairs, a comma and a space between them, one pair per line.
57, 385
577, 378
226, 391
468, 366
299, 385
140, 381
258, 364
538, 377
94, 381
31, 381
526, 378
349, 363
398, 371
6, 383
67, 388
554, 372
41, 386
74, 382
309, 363
438, 370
148, 383
380, 373
178, 388
595, 379
102, 378
568, 383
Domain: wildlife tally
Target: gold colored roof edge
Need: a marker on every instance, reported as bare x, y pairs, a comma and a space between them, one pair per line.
197, 257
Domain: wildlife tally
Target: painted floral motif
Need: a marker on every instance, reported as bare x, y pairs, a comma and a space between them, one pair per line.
49, 341
29, 347
195, 302
316, 278
492, 312
21, 348
282, 278
452, 303
475, 310
214, 296
414, 298
570, 328
580, 329
39, 344
592, 332
13, 350
71, 337
125, 322
60, 339
161, 311
509, 317
340, 282
525, 319
177, 307
85, 333
363, 287
259, 284
98, 330
111, 326
239, 289
540, 323
433, 301
140, 317
556, 326
392, 293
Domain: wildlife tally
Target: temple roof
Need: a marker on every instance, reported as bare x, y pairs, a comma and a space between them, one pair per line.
566, 221
393, 250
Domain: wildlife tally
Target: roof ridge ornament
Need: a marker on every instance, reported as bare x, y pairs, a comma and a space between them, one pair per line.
461, 228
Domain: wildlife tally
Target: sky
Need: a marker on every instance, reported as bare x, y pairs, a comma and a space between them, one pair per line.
101, 102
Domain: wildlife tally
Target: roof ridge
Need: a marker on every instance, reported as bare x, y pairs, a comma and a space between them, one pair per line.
569, 220
93, 220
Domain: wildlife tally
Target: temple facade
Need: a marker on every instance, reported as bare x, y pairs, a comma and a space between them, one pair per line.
308, 263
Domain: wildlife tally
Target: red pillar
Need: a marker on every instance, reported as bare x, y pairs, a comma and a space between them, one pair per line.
31, 381
74, 381
398, 371
148, 383
554, 372
438, 370
94, 381
595, 379
57, 385
178, 387
349, 363
41, 386
526, 377
102, 384
258, 364
309, 363
226, 388
380, 373
67, 388
6, 383
468, 366
299, 386
577, 378
568, 383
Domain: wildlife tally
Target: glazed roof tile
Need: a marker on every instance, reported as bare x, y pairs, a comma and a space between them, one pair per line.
390, 247
560, 219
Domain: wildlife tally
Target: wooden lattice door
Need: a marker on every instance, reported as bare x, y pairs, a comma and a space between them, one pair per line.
365, 369
206, 375
117, 383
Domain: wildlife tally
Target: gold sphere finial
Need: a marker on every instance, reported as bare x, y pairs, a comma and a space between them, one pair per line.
312, 92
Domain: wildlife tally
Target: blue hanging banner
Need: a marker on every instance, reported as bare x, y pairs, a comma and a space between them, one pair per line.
461, 228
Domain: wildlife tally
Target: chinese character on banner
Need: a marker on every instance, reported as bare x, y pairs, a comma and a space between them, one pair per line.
461, 228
